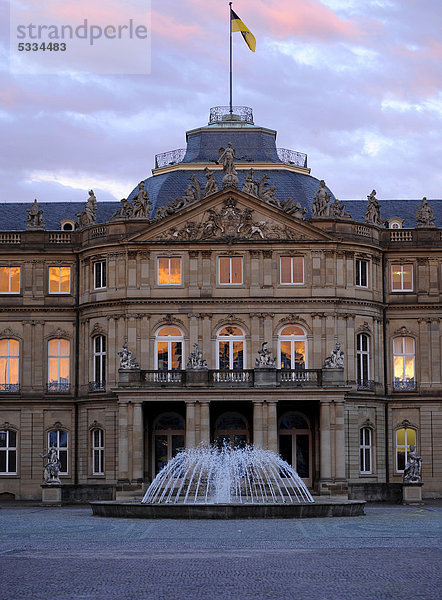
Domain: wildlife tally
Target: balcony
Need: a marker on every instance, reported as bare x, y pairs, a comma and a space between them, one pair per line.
10, 387
163, 378
236, 378
299, 377
404, 385
58, 387
97, 386
365, 385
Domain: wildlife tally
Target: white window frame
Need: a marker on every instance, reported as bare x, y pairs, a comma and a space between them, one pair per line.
292, 339
169, 258
100, 273
292, 270
169, 339
99, 354
395, 267
98, 451
59, 357
230, 258
231, 339
9, 278
9, 357
360, 353
363, 447
59, 279
405, 446
60, 449
360, 262
9, 449
403, 355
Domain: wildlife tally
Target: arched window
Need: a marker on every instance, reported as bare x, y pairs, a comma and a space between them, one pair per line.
404, 364
168, 438
231, 429
365, 450
295, 443
8, 452
169, 349
363, 361
97, 452
58, 439
230, 348
99, 382
292, 348
9, 365
58, 365
405, 437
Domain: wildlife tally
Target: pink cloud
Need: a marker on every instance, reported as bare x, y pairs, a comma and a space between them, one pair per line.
167, 27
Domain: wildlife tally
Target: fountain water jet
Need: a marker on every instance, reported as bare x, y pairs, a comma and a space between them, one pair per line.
210, 475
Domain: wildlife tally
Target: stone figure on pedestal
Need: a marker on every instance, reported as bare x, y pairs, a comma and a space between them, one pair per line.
425, 214
321, 201
336, 358
89, 213
211, 186
35, 217
337, 210
196, 360
141, 203
52, 467
230, 178
413, 468
373, 213
265, 359
127, 360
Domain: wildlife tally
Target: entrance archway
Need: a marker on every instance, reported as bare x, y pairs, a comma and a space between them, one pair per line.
167, 439
232, 429
295, 443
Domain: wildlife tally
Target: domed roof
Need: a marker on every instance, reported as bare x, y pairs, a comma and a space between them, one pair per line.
255, 147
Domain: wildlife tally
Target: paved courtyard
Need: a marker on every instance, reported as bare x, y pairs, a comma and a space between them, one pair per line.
65, 553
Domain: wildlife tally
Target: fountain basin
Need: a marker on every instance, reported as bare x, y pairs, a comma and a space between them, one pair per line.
301, 510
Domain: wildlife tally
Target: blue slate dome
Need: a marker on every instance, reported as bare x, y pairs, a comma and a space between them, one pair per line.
255, 147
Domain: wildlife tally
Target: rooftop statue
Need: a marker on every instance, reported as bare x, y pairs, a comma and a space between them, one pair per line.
196, 360
89, 213
250, 185
425, 214
196, 187
52, 467
265, 359
127, 360
336, 358
34, 219
293, 208
413, 468
226, 158
211, 185
321, 201
126, 211
373, 213
141, 203
266, 193
337, 210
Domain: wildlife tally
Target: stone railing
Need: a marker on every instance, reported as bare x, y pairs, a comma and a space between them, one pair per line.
234, 378
60, 237
163, 378
401, 235
10, 237
300, 377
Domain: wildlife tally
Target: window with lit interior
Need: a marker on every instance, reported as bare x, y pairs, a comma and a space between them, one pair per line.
292, 348
404, 364
9, 280
169, 270
59, 280
230, 348
405, 437
402, 278
230, 270
292, 270
58, 439
8, 452
169, 349
58, 365
9, 365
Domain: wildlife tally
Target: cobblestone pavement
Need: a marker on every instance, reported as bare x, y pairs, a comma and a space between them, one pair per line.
66, 554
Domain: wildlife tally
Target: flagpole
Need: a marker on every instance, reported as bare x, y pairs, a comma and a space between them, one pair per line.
230, 25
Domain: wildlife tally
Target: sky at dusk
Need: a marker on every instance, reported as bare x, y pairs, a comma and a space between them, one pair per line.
355, 84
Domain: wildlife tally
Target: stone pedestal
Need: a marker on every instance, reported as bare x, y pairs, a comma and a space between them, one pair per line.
332, 377
51, 494
129, 377
197, 377
412, 493
265, 377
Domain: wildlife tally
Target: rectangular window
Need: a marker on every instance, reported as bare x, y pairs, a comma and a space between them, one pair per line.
292, 270
58, 365
9, 280
8, 452
169, 271
100, 275
59, 280
59, 440
402, 278
365, 450
361, 272
230, 270
98, 452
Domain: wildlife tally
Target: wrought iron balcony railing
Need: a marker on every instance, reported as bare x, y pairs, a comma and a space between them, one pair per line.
365, 384
172, 157
234, 378
299, 377
58, 386
9, 387
97, 386
292, 157
405, 385
219, 114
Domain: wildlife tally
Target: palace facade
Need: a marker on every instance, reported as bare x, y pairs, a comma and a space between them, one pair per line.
229, 247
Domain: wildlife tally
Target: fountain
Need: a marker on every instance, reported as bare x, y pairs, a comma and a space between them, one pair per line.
208, 482
212, 475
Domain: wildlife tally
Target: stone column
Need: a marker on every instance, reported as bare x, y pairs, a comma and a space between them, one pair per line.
208, 347
206, 289
268, 275
123, 442
422, 349
258, 434
112, 352
194, 289
138, 437
325, 441
205, 422
144, 257
190, 424
272, 427
340, 442
255, 272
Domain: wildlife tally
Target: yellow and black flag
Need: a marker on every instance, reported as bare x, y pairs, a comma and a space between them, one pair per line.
238, 25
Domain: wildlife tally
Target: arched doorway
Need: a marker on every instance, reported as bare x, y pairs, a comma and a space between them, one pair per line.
231, 429
167, 439
295, 443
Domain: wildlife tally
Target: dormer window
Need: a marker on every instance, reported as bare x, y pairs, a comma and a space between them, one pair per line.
67, 225
395, 223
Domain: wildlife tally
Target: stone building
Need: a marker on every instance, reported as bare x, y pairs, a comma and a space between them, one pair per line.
207, 308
